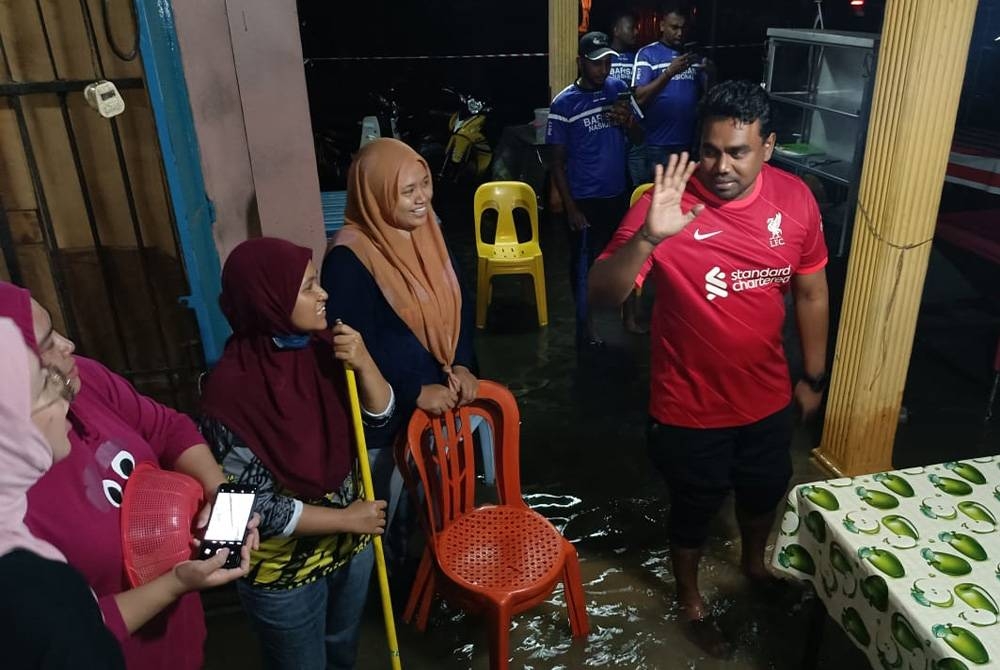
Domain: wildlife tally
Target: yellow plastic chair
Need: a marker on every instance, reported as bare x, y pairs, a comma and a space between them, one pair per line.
637, 193
507, 256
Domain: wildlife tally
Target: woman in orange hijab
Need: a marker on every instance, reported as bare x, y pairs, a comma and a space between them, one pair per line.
394, 278
390, 276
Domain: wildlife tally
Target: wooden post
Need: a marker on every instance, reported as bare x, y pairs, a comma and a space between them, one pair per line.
909, 138
563, 38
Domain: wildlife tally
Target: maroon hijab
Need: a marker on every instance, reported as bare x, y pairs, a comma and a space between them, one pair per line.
15, 304
288, 405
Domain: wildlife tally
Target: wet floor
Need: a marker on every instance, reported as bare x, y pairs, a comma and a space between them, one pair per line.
584, 467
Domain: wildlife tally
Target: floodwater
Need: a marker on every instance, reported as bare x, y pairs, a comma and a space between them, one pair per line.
584, 467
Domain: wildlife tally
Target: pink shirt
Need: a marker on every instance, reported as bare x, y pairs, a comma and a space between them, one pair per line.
76, 506
717, 357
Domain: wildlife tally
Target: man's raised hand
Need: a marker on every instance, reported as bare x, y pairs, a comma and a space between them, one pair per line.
665, 217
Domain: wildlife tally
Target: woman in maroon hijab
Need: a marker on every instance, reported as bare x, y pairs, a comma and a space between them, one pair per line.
276, 414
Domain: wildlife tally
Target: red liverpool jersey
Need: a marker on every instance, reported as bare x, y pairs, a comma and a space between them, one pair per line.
717, 354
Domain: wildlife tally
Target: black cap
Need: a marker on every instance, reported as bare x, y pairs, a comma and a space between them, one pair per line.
595, 46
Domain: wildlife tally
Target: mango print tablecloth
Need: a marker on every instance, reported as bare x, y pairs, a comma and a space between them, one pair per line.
907, 562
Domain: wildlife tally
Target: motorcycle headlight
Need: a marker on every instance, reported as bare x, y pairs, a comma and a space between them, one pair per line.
475, 106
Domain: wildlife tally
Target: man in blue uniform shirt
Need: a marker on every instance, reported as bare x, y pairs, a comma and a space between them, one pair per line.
624, 33
588, 124
668, 84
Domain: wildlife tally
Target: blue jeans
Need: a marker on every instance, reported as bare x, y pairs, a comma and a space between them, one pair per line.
399, 514
315, 626
659, 154
638, 165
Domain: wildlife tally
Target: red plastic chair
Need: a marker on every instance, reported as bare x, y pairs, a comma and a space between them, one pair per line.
496, 559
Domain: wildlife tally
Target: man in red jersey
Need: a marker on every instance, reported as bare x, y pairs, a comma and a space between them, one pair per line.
723, 250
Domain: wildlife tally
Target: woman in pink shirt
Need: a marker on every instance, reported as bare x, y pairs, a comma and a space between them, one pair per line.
76, 505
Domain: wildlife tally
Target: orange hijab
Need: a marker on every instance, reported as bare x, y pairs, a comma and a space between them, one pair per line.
413, 271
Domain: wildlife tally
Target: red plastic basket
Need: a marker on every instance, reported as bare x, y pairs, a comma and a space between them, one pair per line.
158, 511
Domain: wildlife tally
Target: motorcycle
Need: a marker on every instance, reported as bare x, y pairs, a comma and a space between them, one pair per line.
467, 154
333, 146
385, 121
391, 121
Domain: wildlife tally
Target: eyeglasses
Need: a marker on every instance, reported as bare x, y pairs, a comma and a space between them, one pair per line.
55, 387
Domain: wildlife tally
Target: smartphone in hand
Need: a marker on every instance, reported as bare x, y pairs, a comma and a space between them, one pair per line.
692, 51
227, 528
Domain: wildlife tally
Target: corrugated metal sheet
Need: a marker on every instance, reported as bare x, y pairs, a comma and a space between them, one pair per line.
334, 203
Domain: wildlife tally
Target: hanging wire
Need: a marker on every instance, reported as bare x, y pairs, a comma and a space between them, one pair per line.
897, 279
118, 51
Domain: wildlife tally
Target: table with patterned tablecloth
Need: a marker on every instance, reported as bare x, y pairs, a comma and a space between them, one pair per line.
907, 562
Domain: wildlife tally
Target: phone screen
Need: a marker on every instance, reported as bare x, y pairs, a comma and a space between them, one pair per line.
230, 516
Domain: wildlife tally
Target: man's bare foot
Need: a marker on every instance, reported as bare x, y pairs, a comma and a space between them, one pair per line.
706, 634
763, 582
692, 608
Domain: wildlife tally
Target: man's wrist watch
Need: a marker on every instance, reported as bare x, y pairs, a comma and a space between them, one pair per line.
817, 383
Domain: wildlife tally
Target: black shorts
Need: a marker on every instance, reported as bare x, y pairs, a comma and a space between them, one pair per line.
702, 465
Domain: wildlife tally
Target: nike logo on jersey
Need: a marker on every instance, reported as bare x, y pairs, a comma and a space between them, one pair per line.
698, 235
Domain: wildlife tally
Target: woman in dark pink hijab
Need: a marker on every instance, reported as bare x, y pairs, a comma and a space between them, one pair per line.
76, 505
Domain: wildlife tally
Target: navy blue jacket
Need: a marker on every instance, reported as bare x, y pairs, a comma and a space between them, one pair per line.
357, 300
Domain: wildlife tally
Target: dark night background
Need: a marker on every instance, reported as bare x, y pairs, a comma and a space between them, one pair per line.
340, 90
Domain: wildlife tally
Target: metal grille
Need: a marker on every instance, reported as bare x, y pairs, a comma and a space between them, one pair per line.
112, 283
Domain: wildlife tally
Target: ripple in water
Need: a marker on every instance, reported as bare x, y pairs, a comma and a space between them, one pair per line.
627, 579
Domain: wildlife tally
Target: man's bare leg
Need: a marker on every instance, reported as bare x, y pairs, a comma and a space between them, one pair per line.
754, 530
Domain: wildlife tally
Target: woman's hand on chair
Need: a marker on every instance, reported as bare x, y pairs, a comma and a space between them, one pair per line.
349, 347
468, 385
365, 517
437, 399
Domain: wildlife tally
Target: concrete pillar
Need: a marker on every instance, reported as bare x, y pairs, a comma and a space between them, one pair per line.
563, 39
909, 137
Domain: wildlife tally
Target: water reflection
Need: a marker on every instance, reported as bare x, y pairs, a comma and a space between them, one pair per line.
625, 564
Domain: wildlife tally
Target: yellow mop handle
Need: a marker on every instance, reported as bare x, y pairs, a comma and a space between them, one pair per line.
366, 478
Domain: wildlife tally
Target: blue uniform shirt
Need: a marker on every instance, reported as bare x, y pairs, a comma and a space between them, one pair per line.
670, 119
621, 66
595, 149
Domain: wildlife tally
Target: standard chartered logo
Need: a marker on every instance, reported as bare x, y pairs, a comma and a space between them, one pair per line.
715, 284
